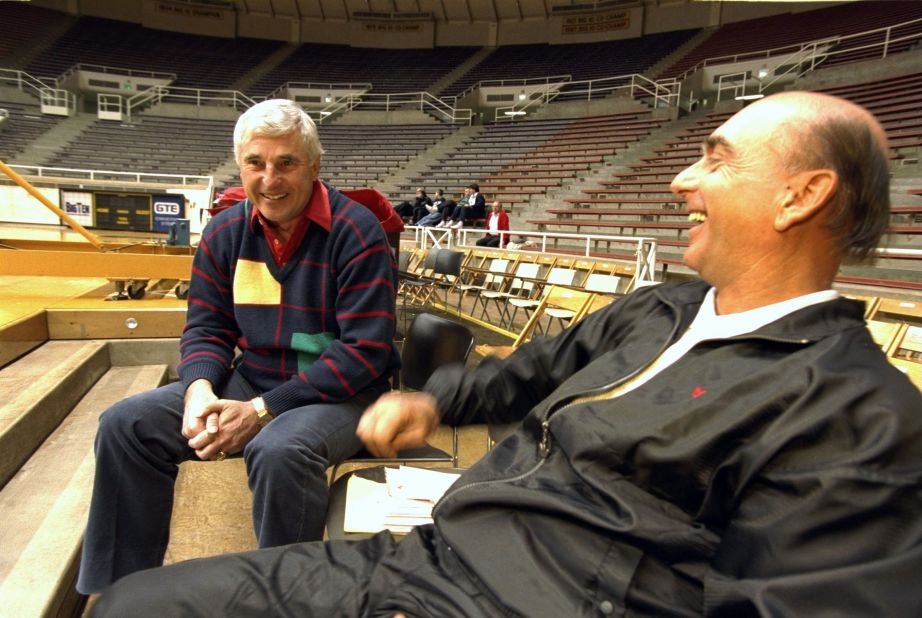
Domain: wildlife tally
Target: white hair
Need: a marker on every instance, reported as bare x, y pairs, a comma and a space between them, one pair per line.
275, 118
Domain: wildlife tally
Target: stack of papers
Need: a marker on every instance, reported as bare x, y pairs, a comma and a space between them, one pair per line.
405, 500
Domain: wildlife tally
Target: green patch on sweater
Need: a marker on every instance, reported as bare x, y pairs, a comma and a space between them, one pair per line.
310, 346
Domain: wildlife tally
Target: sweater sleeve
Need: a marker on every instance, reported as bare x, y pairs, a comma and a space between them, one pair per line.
363, 352
503, 391
210, 335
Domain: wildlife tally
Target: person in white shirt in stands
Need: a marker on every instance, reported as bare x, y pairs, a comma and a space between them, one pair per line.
497, 222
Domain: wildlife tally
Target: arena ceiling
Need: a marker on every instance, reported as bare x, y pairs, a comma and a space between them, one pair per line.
458, 11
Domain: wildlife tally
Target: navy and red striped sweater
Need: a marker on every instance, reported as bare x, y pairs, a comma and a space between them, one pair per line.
318, 329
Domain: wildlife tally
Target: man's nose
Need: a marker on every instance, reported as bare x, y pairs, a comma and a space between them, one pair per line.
271, 172
686, 180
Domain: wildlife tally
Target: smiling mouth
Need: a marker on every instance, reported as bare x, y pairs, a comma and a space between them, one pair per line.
697, 217
273, 198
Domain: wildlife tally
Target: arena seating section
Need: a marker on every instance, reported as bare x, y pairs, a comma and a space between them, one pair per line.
198, 62
389, 70
786, 31
602, 174
580, 61
25, 125
605, 173
149, 144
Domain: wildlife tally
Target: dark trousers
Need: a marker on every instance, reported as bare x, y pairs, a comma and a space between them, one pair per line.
419, 577
488, 241
139, 446
404, 209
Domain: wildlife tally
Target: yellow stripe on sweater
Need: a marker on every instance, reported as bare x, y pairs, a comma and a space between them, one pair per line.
255, 285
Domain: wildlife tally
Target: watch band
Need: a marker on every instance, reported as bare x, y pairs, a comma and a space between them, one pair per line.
263, 416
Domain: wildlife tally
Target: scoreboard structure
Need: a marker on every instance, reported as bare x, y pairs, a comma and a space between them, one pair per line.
133, 211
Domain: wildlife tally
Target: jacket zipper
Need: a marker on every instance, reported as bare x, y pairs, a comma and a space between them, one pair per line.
544, 444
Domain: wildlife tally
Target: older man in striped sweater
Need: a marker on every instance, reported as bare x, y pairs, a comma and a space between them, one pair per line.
288, 338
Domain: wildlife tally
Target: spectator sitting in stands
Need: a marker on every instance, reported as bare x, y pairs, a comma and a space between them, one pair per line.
473, 208
440, 205
417, 210
734, 446
288, 339
449, 216
497, 222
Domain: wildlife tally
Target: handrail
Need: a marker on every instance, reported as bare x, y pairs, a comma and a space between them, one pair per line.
665, 93
644, 247
73, 173
101, 68
328, 86
524, 81
755, 55
193, 96
24, 80
421, 100
802, 61
201, 96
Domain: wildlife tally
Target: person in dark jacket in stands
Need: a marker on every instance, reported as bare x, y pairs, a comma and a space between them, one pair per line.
734, 446
440, 207
471, 207
417, 210
288, 339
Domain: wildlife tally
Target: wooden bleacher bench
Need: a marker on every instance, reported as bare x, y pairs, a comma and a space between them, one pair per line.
53, 397
598, 213
675, 200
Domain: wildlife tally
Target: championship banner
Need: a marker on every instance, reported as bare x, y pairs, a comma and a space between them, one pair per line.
598, 22
167, 209
79, 205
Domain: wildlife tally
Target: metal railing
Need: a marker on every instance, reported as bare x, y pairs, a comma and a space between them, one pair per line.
189, 96
55, 174
120, 71
821, 47
422, 101
643, 248
25, 82
665, 93
526, 81
328, 87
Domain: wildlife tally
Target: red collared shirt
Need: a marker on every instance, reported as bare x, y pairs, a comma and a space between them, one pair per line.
317, 210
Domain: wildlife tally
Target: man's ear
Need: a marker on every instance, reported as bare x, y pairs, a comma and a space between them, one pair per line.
807, 193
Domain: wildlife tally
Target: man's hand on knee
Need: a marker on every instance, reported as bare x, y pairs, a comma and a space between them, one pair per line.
398, 421
230, 425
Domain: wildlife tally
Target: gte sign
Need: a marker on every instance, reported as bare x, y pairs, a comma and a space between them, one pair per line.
168, 209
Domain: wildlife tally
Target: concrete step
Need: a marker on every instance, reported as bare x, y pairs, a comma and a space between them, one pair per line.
44, 506
38, 391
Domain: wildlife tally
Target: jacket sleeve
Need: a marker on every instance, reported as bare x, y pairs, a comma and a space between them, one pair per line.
502, 391
210, 334
843, 540
365, 303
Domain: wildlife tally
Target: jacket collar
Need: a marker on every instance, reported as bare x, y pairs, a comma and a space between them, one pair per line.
808, 324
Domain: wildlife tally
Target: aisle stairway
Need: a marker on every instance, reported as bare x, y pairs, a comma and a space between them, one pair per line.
52, 398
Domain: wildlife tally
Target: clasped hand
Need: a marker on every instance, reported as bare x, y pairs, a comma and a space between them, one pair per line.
215, 425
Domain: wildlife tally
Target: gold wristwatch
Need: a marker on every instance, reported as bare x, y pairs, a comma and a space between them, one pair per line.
263, 416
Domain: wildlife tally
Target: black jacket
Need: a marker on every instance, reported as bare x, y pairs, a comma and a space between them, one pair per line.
775, 473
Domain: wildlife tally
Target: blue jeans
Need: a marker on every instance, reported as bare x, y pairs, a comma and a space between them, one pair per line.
139, 446
431, 219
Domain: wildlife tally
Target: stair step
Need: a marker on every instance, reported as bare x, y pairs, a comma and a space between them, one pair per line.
39, 390
44, 506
